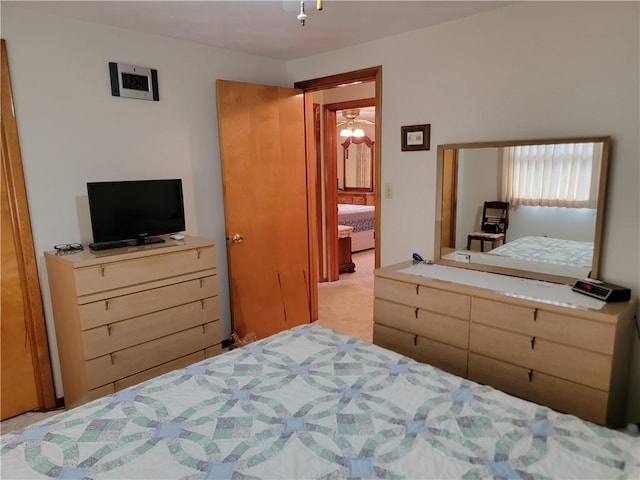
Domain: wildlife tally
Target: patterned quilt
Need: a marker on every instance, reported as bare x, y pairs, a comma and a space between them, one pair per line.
548, 250
310, 403
360, 217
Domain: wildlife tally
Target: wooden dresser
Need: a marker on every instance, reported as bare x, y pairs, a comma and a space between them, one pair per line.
129, 314
572, 359
357, 198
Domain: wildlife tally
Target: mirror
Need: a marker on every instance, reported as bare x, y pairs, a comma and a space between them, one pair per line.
357, 163
556, 193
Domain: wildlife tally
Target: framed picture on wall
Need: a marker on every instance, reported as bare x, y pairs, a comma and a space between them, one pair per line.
416, 137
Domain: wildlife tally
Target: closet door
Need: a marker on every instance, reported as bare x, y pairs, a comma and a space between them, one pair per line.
26, 381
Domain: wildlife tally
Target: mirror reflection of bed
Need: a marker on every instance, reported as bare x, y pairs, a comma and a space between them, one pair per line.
554, 230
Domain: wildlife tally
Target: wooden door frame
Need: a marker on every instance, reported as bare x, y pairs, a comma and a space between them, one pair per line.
27, 264
331, 171
342, 79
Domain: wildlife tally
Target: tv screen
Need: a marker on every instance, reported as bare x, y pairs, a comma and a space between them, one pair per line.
135, 210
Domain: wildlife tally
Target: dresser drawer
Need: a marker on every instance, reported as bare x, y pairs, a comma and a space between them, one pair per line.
181, 362
112, 275
587, 334
123, 363
117, 308
435, 326
117, 336
580, 366
421, 349
561, 395
414, 295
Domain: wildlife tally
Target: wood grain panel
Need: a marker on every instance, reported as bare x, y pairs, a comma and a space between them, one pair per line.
439, 301
565, 396
117, 336
566, 329
108, 368
120, 307
580, 366
262, 136
15, 218
441, 328
109, 276
440, 355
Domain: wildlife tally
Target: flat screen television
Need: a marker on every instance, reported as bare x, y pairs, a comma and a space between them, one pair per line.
134, 212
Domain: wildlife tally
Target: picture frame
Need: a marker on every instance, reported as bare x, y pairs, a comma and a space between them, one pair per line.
416, 137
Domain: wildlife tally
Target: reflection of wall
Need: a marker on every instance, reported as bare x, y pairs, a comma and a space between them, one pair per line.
477, 183
565, 223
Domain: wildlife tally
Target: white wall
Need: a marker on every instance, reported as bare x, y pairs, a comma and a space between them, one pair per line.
477, 183
528, 70
73, 131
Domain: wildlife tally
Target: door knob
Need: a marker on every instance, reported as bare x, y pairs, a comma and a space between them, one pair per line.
237, 238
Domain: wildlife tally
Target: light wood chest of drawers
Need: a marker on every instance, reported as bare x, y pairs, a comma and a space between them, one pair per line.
574, 360
129, 314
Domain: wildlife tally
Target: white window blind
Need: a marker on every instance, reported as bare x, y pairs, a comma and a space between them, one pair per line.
559, 175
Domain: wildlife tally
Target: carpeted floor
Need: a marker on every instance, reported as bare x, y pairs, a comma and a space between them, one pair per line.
345, 306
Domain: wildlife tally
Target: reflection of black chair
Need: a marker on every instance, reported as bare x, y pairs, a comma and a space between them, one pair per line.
494, 225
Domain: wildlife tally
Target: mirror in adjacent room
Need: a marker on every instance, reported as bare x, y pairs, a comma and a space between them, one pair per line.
355, 156
556, 192
357, 164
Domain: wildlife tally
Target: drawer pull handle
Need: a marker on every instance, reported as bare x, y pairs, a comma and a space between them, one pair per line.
102, 270
113, 358
415, 340
533, 342
109, 330
198, 253
417, 312
201, 282
202, 304
417, 289
106, 304
535, 314
203, 330
530, 375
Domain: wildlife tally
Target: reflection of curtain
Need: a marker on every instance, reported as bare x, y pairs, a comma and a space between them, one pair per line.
363, 165
561, 175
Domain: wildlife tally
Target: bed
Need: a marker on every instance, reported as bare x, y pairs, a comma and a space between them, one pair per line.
311, 403
548, 250
362, 219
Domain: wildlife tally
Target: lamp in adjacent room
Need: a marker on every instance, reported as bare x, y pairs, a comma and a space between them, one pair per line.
350, 128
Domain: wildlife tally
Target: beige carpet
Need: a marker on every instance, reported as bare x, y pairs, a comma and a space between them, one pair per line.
347, 305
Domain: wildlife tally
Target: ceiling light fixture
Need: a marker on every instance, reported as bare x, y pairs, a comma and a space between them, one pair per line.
350, 129
302, 16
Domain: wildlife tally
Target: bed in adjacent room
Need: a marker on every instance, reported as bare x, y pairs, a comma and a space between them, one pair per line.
311, 403
362, 219
548, 250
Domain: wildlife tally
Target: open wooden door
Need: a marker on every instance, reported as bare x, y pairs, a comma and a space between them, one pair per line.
268, 196
27, 381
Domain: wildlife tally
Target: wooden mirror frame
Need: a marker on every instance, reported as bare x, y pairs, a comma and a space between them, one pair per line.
447, 194
345, 148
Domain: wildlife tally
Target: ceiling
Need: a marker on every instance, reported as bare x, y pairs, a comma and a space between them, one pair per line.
267, 28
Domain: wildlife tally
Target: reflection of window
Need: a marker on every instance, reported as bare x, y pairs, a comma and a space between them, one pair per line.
560, 175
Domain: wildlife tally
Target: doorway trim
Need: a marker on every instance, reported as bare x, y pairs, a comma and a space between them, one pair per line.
370, 74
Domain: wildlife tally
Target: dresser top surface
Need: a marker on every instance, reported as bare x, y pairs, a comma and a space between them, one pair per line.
497, 286
90, 257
